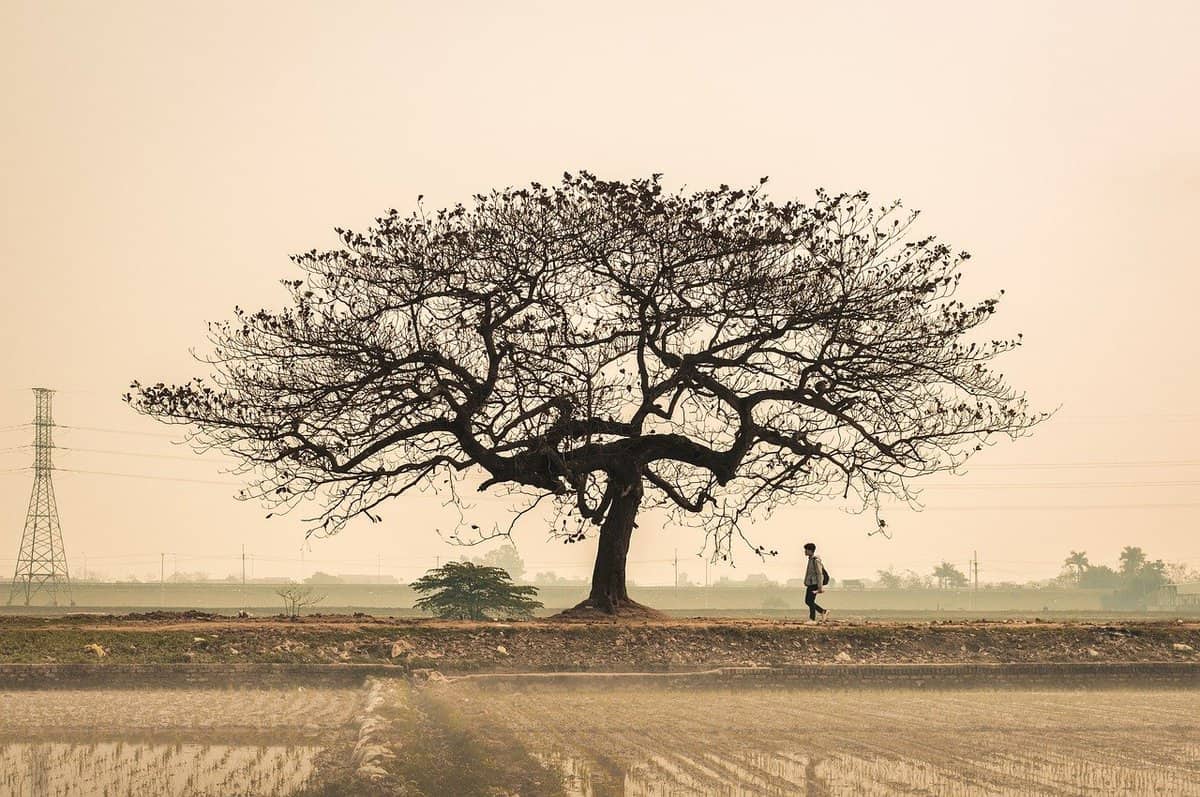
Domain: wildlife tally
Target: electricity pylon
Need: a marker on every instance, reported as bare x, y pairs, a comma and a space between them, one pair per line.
42, 563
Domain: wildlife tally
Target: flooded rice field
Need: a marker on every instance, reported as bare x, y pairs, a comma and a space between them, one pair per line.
124, 768
169, 741
472, 737
792, 741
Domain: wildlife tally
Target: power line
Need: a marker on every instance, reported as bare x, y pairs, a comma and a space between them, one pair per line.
142, 476
1056, 485
116, 431
1072, 465
1056, 507
192, 458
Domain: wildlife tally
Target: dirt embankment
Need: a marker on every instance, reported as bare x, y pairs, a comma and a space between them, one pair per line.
457, 647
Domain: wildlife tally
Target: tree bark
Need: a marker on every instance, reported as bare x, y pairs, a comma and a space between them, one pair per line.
608, 577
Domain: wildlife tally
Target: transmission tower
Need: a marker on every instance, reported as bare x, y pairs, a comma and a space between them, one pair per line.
42, 563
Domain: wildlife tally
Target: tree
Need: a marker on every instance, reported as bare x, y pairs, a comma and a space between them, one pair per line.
1132, 559
506, 558
550, 579
1100, 577
1149, 577
889, 580
297, 598
949, 575
467, 591
1181, 573
1077, 564
609, 348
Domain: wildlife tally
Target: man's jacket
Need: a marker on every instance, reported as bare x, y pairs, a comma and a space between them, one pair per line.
813, 576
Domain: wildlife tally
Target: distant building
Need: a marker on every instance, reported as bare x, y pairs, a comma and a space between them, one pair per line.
1177, 596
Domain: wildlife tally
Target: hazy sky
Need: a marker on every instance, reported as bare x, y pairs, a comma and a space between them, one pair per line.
162, 160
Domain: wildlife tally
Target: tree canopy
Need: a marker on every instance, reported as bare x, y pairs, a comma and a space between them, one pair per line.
467, 591
948, 575
608, 347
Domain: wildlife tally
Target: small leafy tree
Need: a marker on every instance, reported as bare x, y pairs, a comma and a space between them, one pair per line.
467, 591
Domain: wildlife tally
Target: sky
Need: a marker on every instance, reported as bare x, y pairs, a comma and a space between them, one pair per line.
162, 160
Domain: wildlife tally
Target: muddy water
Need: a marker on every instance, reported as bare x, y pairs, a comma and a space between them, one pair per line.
789, 741
169, 741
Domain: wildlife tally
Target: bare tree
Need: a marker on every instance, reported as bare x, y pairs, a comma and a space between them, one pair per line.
297, 598
610, 347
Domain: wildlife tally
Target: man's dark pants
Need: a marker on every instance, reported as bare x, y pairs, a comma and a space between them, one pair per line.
810, 598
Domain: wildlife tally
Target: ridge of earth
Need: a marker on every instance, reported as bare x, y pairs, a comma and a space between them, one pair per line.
594, 646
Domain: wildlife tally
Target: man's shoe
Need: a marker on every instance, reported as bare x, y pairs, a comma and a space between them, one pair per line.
824, 616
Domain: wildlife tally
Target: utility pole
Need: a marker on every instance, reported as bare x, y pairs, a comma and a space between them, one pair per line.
974, 579
677, 570
41, 561
162, 569
243, 565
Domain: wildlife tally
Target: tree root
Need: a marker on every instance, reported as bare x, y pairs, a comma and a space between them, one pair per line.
619, 609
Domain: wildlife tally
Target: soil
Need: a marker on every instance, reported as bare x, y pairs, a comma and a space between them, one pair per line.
601, 645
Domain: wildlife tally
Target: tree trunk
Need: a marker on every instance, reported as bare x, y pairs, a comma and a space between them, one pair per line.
608, 593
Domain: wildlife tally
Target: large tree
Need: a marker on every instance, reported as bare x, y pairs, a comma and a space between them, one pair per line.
609, 347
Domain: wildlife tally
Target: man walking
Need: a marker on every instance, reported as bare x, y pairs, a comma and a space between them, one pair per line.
814, 582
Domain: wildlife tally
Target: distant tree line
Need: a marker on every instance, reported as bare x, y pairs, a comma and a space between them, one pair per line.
946, 575
1136, 575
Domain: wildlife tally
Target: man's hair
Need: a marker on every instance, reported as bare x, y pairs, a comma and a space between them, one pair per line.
810, 546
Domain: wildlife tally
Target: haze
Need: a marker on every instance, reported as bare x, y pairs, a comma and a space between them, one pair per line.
161, 161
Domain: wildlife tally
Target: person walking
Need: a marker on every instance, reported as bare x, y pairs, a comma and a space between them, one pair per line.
814, 582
